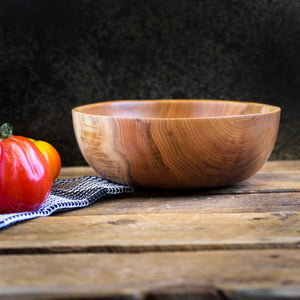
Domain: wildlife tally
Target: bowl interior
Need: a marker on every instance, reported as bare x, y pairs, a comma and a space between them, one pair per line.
174, 108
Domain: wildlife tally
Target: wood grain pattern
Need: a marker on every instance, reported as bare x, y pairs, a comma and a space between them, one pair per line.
233, 243
176, 143
281, 166
136, 276
154, 232
262, 182
274, 166
168, 202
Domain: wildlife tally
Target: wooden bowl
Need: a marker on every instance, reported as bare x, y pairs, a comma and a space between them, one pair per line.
176, 143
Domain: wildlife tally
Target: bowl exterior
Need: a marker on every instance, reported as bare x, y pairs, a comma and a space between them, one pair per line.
176, 153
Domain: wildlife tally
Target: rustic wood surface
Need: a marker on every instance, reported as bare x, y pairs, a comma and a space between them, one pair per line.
238, 242
176, 143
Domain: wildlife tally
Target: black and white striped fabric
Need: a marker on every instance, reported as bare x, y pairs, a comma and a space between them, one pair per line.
67, 194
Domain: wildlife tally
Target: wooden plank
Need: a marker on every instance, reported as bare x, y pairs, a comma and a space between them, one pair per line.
78, 171
265, 182
189, 202
281, 165
269, 166
262, 182
153, 232
138, 276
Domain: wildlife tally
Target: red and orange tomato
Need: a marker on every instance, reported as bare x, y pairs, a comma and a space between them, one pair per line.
51, 155
27, 171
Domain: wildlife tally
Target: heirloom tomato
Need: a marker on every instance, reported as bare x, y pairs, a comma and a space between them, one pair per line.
25, 176
51, 155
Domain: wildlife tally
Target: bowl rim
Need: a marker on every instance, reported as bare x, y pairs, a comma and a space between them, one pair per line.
78, 109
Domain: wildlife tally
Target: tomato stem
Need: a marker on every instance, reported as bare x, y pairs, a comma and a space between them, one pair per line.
6, 131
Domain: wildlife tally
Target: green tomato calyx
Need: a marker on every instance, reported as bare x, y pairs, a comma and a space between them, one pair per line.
6, 131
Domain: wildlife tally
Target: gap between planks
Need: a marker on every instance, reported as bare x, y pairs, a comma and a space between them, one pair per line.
113, 249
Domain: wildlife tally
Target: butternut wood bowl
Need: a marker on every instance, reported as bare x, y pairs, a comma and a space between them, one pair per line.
176, 143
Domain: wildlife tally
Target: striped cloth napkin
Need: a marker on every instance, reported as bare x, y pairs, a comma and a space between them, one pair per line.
67, 194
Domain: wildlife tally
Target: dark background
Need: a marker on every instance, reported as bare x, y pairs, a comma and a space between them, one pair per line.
56, 54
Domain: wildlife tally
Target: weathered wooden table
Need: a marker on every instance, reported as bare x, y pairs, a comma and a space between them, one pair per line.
239, 242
